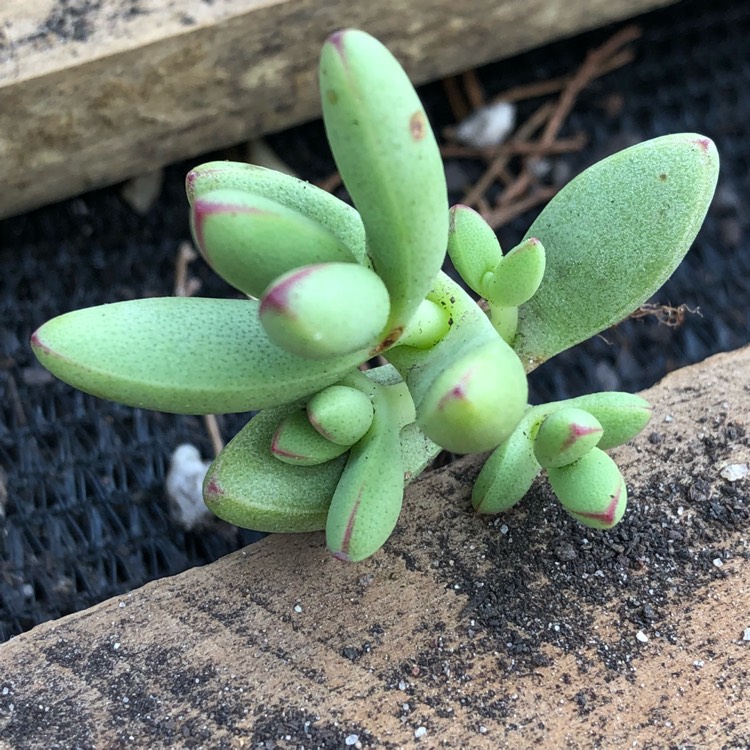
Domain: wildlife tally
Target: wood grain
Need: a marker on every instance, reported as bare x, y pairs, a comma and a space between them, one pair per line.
279, 646
92, 93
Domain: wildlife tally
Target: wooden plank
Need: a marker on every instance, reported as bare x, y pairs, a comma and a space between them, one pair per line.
94, 92
523, 632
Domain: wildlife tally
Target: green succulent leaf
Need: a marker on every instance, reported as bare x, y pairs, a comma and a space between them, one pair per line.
621, 415
250, 240
612, 237
591, 489
565, 436
367, 502
516, 278
247, 486
508, 473
473, 246
297, 442
390, 163
340, 413
185, 355
317, 205
470, 388
325, 310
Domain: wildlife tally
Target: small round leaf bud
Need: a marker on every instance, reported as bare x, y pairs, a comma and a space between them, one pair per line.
565, 436
325, 310
477, 401
297, 442
591, 489
341, 414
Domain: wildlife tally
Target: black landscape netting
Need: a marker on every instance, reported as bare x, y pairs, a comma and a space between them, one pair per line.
85, 516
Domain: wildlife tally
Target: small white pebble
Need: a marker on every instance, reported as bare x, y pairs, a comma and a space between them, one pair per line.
482, 729
718, 562
184, 487
668, 418
122, 605
297, 608
142, 192
488, 126
698, 663
402, 685
420, 732
115, 646
352, 739
734, 472
504, 529
5, 691
641, 636
746, 635
405, 707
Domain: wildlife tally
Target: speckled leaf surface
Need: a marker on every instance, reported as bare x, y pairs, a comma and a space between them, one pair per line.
390, 162
183, 355
247, 486
613, 236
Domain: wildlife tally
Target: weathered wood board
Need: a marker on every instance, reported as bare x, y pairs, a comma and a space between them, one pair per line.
527, 631
94, 92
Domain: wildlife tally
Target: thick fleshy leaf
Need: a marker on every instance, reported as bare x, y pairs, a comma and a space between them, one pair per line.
297, 442
340, 413
390, 163
316, 204
470, 388
509, 472
184, 355
250, 488
517, 276
477, 401
612, 237
473, 246
565, 436
250, 240
367, 502
325, 310
591, 489
621, 415
247, 486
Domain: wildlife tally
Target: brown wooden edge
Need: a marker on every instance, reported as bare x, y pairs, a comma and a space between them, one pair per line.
280, 646
93, 93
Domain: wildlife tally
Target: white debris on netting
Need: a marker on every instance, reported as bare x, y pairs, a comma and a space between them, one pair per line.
142, 192
734, 472
487, 126
184, 487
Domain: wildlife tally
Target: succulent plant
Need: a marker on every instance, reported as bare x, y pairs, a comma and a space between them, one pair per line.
327, 286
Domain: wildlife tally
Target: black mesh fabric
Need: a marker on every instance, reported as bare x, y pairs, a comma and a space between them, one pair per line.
85, 516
